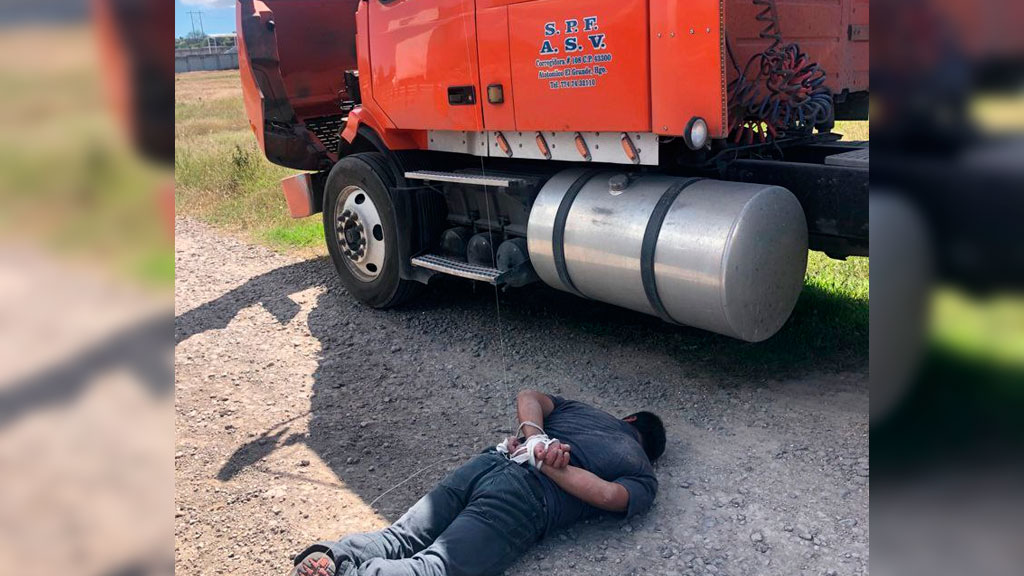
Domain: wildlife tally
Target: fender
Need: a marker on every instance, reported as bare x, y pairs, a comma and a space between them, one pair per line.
390, 138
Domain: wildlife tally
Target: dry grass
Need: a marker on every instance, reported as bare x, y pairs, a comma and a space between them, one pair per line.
69, 178
199, 86
221, 175
852, 130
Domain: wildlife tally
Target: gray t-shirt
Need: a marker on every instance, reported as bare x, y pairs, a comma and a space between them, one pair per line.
603, 445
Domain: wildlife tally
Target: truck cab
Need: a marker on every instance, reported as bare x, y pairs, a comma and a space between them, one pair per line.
468, 137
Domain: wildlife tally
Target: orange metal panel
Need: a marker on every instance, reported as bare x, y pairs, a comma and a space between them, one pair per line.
417, 51
481, 4
485, 4
495, 67
982, 29
366, 72
687, 60
822, 29
292, 58
315, 45
363, 62
393, 138
252, 97
580, 66
369, 114
856, 56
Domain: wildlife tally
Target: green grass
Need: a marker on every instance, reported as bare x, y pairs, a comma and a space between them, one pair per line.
848, 278
70, 180
223, 178
155, 268
831, 317
308, 233
828, 329
984, 329
221, 175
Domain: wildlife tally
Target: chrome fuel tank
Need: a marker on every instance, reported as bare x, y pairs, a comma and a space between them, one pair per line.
727, 257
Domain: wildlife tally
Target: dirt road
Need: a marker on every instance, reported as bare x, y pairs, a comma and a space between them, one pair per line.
296, 407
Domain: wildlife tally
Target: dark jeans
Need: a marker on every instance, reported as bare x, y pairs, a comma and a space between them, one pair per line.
475, 522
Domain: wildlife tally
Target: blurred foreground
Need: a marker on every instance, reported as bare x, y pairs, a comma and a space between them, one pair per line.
947, 309
86, 270
86, 266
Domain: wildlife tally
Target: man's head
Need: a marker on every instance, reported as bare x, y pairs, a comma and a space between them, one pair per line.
652, 433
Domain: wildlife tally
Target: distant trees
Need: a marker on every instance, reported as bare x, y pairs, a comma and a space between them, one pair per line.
194, 39
197, 39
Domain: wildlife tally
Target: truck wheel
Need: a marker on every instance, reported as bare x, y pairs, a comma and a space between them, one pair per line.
361, 229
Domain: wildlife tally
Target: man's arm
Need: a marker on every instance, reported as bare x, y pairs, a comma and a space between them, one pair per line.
533, 406
586, 486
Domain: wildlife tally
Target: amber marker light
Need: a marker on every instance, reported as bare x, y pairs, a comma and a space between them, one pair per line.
629, 149
581, 147
503, 144
542, 145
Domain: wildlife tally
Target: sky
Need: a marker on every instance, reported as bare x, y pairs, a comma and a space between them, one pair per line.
218, 16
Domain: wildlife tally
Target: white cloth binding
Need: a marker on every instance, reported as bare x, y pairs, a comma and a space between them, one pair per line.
525, 452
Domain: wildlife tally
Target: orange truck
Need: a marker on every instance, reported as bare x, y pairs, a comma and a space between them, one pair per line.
674, 157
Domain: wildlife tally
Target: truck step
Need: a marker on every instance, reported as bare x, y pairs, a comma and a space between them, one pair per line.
459, 268
462, 178
852, 159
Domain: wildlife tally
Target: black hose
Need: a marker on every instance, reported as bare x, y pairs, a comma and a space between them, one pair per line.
779, 90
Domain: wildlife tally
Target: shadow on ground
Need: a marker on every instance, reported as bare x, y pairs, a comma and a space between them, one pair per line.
139, 349
395, 391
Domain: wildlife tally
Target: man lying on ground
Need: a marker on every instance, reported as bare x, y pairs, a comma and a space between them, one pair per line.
572, 462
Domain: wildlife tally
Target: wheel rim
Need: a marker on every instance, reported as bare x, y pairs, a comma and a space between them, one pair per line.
359, 233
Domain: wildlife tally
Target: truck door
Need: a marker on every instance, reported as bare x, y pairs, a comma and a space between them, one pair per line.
423, 60
566, 65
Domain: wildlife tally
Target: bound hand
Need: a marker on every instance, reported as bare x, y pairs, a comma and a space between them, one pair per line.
513, 444
556, 455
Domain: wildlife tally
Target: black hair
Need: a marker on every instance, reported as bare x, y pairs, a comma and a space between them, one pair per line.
652, 433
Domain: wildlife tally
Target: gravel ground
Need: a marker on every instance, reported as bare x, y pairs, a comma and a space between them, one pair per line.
296, 407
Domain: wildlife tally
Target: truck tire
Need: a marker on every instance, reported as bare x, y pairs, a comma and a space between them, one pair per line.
361, 229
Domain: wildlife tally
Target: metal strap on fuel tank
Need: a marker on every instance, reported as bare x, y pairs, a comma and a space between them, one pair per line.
650, 244
558, 232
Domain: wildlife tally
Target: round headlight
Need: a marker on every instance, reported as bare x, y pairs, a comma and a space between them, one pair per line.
696, 133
